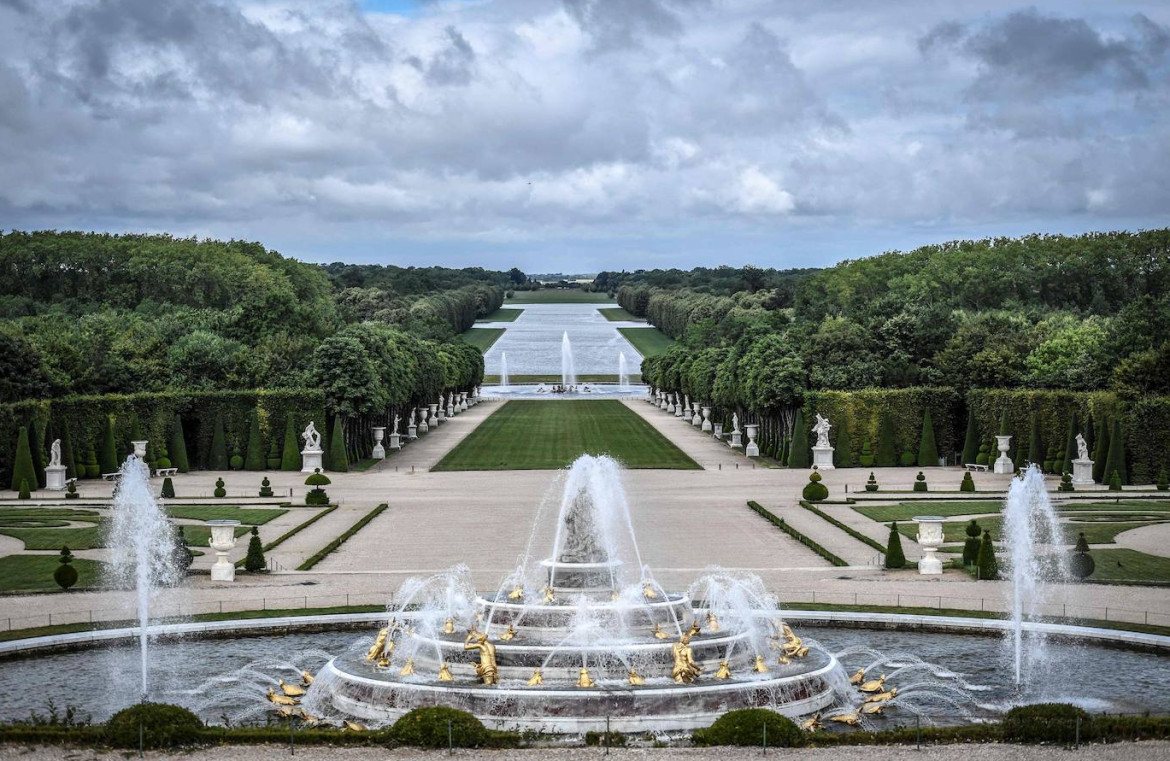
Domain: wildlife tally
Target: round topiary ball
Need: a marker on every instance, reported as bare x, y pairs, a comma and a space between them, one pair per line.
814, 490
745, 727
427, 728
162, 726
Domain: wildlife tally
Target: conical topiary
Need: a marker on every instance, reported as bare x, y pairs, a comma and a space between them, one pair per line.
92, 468
1163, 482
254, 562
290, 458
273, 459
1115, 462
799, 453
988, 567
338, 458
254, 458
971, 440
178, 448
1081, 566
1070, 443
265, 487
895, 558
886, 455
1066, 483
968, 482
23, 490
220, 491
927, 449
181, 554
108, 454
69, 456
1035, 446
971, 544
814, 490
168, 489
22, 464
217, 459
1101, 451
1115, 481
65, 574
871, 484
920, 482
37, 450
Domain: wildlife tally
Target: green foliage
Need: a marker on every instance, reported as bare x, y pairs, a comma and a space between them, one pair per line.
1100, 449
806, 541
290, 459
317, 478
1115, 481
1066, 483
751, 727
800, 453
871, 484
338, 458
983, 458
988, 567
157, 725
887, 452
265, 487
907, 458
317, 495
1163, 483
69, 456
65, 574
255, 561
92, 468
220, 492
36, 450
1081, 565
968, 483
181, 553
895, 557
971, 544
1047, 723
1035, 445
890, 419
273, 458
814, 490
218, 458
178, 448
843, 445
1115, 462
866, 458
23, 490
236, 462
254, 458
970, 440
24, 474
927, 451
1070, 444
71, 490
168, 488
439, 727
108, 456
920, 482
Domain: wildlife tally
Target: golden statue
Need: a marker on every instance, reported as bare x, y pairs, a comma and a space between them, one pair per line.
882, 697
487, 670
760, 667
375, 651
724, 671
685, 669
847, 718
280, 700
549, 596
874, 685
811, 724
292, 690
658, 633
695, 628
285, 712
306, 678
517, 593
635, 678
445, 674
353, 726
803, 651
871, 708
857, 677
536, 679
449, 627
648, 592
583, 680
408, 669
783, 660
712, 622
509, 633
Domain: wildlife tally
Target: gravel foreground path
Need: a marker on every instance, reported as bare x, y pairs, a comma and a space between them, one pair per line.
1117, 752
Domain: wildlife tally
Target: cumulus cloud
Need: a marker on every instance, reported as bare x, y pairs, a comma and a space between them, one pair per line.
329, 130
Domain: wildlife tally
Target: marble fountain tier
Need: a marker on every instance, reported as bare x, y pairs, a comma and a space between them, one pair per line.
580, 638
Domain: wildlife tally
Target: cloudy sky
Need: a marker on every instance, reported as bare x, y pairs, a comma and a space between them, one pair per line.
577, 135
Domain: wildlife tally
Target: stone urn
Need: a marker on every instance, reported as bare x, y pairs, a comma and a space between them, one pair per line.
379, 452
433, 419
930, 538
1003, 464
706, 420
752, 449
139, 449
223, 539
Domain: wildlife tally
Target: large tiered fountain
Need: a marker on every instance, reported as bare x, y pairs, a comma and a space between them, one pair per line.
583, 637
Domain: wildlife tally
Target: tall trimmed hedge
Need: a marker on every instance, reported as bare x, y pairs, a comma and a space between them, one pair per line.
178, 448
254, 458
23, 473
927, 449
800, 455
899, 413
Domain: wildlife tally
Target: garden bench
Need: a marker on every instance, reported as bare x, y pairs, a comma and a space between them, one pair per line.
166, 472
112, 476
975, 466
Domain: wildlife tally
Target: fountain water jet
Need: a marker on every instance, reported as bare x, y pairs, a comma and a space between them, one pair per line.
623, 373
142, 548
504, 370
568, 373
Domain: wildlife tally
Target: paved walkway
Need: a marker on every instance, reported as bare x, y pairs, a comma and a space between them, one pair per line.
701, 447
1154, 539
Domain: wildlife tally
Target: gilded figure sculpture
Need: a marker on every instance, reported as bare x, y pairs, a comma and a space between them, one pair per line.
449, 626
445, 674
487, 670
635, 678
761, 667
375, 651
584, 680
685, 669
408, 669
875, 685
292, 690
536, 679
724, 671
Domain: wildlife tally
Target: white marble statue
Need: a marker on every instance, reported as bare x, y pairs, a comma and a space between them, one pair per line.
735, 421
397, 418
55, 454
312, 438
821, 429
1082, 448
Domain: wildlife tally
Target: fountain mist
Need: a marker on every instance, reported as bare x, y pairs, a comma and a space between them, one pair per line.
141, 543
1029, 524
504, 370
568, 373
623, 372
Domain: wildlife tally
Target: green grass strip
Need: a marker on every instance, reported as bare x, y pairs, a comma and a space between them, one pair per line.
618, 314
780, 524
553, 296
291, 532
650, 342
324, 551
850, 531
482, 338
502, 315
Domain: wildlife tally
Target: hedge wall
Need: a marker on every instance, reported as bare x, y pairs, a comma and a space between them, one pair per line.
860, 412
154, 413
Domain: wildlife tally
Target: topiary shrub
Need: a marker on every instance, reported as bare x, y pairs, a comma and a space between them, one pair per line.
886, 455
968, 482
1080, 564
290, 458
220, 492
265, 487
108, 456
273, 459
814, 490
218, 458
1115, 462
971, 545
24, 473
866, 458
1046, 723
1163, 483
71, 491
254, 562
971, 440
745, 727
908, 459
895, 558
435, 726
338, 457
987, 565
23, 492
178, 448
168, 488
871, 484
237, 461
254, 455
920, 482
1066, 483
65, 574
1115, 481
161, 725
982, 457
317, 495
92, 468
799, 451
181, 554
927, 449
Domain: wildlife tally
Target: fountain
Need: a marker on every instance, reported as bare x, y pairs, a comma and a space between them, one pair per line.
141, 546
568, 374
623, 372
1029, 524
583, 639
504, 371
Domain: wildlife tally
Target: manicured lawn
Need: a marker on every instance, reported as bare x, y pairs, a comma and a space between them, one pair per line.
482, 338
1095, 533
1133, 505
635, 378
544, 435
552, 296
1122, 565
250, 515
18, 517
650, 342
93, 537
34, 573
906, 510
617, 314
502, 315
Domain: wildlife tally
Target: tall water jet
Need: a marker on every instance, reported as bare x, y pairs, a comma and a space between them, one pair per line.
142, 548
504, 370
1029, 525
623, 372
568, 374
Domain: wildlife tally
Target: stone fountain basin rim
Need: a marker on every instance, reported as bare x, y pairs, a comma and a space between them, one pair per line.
550, 563
955, 624
594, 605
928, 519
658, 644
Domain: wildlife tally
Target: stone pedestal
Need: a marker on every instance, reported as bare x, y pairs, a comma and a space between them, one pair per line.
736, 439
223, 539
423, 427
707, 420
663, 402
463, 402
312, 459
411, 430
395, 441
379, 452
139, 449
433, 420
718, 431
451, 406
442, 418
670, 405
1082, 472
1003, 464
930, 537
823, 458
697, 420
752, 449
55, 477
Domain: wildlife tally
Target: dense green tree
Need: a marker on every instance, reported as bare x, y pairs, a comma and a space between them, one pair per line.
338, 458
927, 449
254, 459
217, 458
1115, 461
22, 468
290, 458
800, 453
971, 440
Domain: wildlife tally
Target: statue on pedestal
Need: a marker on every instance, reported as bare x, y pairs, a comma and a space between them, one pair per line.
1082, 448
487, 670
821, 429
312, 438
55, 454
